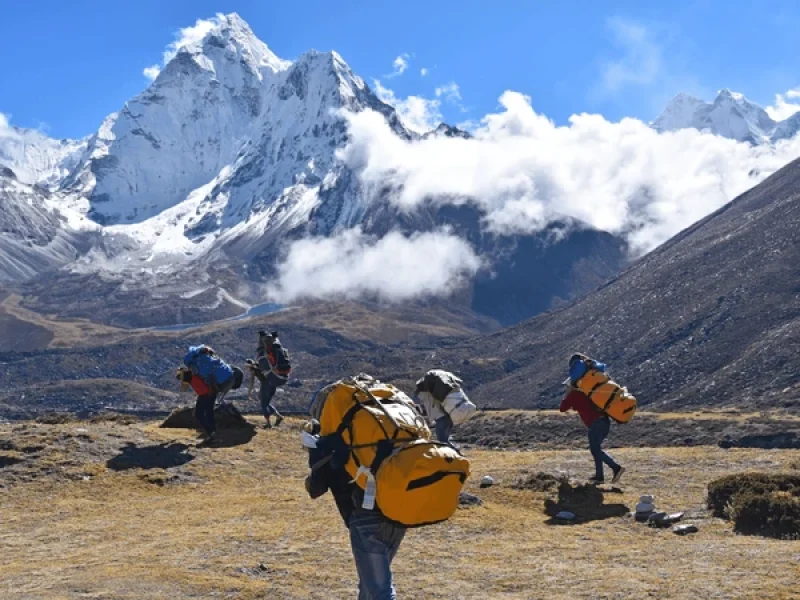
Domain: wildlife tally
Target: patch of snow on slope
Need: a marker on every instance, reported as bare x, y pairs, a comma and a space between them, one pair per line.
36, 158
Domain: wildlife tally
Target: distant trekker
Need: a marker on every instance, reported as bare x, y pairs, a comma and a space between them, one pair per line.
444, 402
211, 377
272, 368
593, 417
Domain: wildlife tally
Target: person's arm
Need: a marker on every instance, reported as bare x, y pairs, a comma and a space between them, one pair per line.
318, 480
420, 405
566, 403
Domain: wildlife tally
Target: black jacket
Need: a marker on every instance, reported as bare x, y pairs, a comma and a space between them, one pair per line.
333, 477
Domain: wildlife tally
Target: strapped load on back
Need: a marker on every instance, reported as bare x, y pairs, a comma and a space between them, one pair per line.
446, 388
607, 395
413, 480
206, 364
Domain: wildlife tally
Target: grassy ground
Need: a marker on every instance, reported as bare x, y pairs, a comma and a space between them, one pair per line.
113, 510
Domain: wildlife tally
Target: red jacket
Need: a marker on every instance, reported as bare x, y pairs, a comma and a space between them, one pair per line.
579, 402
199, 386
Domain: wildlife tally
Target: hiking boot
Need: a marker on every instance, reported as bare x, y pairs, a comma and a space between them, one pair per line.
268, 425
208, 441
278, 420
618, 474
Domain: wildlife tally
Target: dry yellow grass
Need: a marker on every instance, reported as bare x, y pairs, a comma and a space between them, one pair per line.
237, 524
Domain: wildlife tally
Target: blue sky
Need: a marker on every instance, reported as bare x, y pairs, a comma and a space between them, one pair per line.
66, 65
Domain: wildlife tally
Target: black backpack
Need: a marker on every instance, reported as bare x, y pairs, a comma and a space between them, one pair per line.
238, 377
439, 383
283, 366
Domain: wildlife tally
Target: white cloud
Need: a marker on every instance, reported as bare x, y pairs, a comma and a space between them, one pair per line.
152, 72
449, 91
394, 268
417, 113
525, 172
400, 65
642, 59
188, 36
3, 122
783, 108
423, 71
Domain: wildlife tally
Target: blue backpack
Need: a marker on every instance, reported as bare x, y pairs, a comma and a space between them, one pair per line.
207, 365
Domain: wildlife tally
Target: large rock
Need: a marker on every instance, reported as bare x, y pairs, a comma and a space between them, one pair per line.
227, 417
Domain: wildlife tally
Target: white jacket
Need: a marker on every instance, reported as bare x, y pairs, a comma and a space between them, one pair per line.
432, 406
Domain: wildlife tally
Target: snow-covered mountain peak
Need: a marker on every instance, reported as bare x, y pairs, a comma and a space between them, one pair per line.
330, 75
678, 113
232, 38
730, 115
726, 93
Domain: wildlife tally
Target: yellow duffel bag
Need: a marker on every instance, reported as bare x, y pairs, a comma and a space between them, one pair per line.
607, 395
413, 480
419, 484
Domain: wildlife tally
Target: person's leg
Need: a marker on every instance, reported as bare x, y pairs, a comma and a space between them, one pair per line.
444, 427
266, 393
604, 456
199, 408
375, 542
276, 383
204, 412
595, 442
599, 431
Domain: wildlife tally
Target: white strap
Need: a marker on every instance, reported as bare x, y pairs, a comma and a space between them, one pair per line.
370, 491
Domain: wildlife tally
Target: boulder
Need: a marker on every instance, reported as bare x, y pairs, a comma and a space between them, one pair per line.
227, 416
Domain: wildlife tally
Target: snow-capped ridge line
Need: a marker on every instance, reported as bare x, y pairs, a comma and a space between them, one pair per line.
731, 115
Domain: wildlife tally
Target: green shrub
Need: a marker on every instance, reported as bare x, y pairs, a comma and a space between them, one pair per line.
776, 514
758, 503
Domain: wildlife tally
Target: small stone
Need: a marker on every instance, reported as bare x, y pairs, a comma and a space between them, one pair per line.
565, 515
673, 517
658, 519
487, 481
684, 529
467, 499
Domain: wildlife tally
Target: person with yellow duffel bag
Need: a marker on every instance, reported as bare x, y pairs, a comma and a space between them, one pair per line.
597, 399
371, 448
